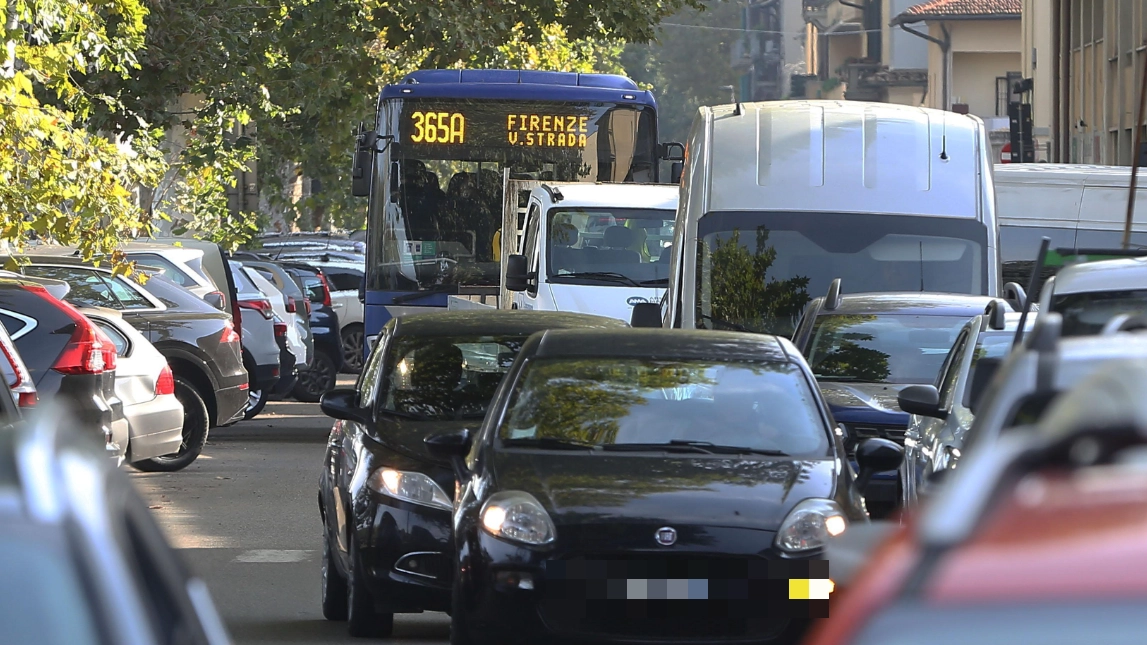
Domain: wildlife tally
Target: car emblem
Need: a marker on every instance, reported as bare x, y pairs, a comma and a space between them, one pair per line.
666, 536
636, 300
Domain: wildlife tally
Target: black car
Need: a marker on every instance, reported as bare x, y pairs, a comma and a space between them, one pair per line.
865, 348
385, 500
70, 360
618, 473
82, 560
328, 360
199, 341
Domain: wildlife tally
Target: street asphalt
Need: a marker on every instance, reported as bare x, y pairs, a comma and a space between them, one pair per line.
245, 518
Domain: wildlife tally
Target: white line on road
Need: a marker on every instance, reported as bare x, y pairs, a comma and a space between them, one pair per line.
273, 555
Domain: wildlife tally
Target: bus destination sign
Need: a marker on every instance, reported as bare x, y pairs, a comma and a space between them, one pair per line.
509, 128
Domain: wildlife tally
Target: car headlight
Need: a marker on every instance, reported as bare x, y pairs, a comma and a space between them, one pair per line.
809, 525
517, 516
410, 487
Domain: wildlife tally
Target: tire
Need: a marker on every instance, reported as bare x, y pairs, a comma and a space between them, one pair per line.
334, 586
363, 618
256, 401
352, 339
195, 425
316, 381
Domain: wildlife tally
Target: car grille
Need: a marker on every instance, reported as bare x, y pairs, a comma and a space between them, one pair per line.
662, 620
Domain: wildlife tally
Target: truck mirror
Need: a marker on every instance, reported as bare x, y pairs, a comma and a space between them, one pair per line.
645, 314
363, 168
517, 273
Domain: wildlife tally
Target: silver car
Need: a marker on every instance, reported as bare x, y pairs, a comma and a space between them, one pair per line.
145, 384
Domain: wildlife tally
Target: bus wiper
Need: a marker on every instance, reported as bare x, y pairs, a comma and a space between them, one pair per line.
654, 282
546, 443
725, 323
612, 276
407, 297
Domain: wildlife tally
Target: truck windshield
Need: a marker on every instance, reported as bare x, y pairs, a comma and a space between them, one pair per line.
615, 247
757, 270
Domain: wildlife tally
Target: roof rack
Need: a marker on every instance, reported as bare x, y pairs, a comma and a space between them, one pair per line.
832, 298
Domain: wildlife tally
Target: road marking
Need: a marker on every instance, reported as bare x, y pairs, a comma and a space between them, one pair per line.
273, 555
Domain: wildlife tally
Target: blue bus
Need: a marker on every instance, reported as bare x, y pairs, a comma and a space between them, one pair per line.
446, 144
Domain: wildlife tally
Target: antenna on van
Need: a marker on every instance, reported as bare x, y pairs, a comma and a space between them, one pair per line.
944, 140
733, 99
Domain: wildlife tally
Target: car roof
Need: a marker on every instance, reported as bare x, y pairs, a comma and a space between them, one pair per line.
909, 303
1120, 274
664, 344
496, 322
643, 196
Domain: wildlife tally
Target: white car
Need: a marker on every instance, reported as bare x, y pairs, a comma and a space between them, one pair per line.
295, 331
146, 385
1090, 294
181, 265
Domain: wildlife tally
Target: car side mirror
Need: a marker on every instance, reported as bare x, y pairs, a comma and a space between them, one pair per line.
876, 456
517, 273
215, 299
923, 400
449, 444
983, 374
645, 314
342, 403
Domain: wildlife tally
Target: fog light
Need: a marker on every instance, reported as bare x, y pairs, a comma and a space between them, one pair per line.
520, 580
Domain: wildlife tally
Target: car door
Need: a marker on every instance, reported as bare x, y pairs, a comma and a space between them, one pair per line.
528, 299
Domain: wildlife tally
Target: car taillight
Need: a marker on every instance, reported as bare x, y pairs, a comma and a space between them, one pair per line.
108, 350
326, 290
291, 307
229, 333
307, 305
20, 382
165, 384
261, 305
280, 329
85, 352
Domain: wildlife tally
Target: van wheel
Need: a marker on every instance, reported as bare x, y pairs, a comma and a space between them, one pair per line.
316, 381
352, 338
195, 424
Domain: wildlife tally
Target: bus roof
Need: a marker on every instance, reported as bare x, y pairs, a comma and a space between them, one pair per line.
842, 156
510, 84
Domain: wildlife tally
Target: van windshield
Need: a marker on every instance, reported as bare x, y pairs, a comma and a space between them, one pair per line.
757, 270
612, 247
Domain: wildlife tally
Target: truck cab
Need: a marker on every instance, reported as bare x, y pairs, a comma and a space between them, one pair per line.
593, 248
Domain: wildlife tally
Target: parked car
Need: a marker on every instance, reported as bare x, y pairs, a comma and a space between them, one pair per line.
942, 413
182, 265
324, 325
200, 342
260, 347
430, 372
1089, 294
655, 455
215, 268
297, 302
865, 348
70, 360
1039, 540
146, 385
285, 308
83, 560
345, 280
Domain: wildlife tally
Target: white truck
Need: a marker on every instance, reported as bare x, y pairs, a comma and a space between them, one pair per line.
592, 248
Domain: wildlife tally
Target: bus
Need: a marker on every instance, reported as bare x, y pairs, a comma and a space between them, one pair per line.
452, 158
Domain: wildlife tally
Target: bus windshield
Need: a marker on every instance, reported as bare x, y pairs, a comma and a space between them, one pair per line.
757, 270
437, 224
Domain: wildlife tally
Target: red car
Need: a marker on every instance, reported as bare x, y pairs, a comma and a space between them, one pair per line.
1042, 539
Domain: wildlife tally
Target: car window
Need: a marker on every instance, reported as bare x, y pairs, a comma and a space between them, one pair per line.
989, 345
1085, 314
87, 288
128, 297
343, 279
117, 337
167, 268
886, 348
760, 406
372, 371
440, 378
44, 595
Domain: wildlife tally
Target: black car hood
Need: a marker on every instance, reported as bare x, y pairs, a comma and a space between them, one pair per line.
405, 436
864, 402
578, 488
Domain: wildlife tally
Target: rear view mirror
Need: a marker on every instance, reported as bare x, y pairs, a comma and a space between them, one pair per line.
517, 273
923, 400
645, 314
363, 168
215, 299
982, 374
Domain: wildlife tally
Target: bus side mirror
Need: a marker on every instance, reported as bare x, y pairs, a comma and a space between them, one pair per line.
675, 172
645, 314
363, 168
517, 273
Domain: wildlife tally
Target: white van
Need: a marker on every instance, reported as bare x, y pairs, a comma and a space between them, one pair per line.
594, 248
1078, 207
779, 198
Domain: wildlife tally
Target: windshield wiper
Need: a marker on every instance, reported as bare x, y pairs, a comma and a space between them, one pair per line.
654, 282
835, 377
611, 276
546, 443
686, 445
725, 323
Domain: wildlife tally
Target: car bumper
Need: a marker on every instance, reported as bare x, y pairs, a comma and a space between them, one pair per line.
408, 554
231, 403
156, 427
266, 377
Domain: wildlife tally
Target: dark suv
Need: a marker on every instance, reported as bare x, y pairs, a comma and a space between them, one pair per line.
199, 341
70, 360
321, 376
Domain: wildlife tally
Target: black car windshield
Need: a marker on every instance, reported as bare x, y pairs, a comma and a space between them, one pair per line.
1085, 314
757, 270
881, 348
43, 595
584, 243
612, 402
444, 378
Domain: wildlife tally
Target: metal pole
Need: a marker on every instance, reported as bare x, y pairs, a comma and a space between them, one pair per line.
1135, 158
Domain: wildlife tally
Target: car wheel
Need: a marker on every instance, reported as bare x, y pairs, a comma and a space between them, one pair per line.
195, 424
335, 594
256, 401
364, 620
316, 381
352, 337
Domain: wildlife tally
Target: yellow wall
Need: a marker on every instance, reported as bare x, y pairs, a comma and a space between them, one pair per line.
974, 79
841, 48
980, 51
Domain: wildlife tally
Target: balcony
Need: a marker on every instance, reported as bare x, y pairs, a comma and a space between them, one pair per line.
831, 15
